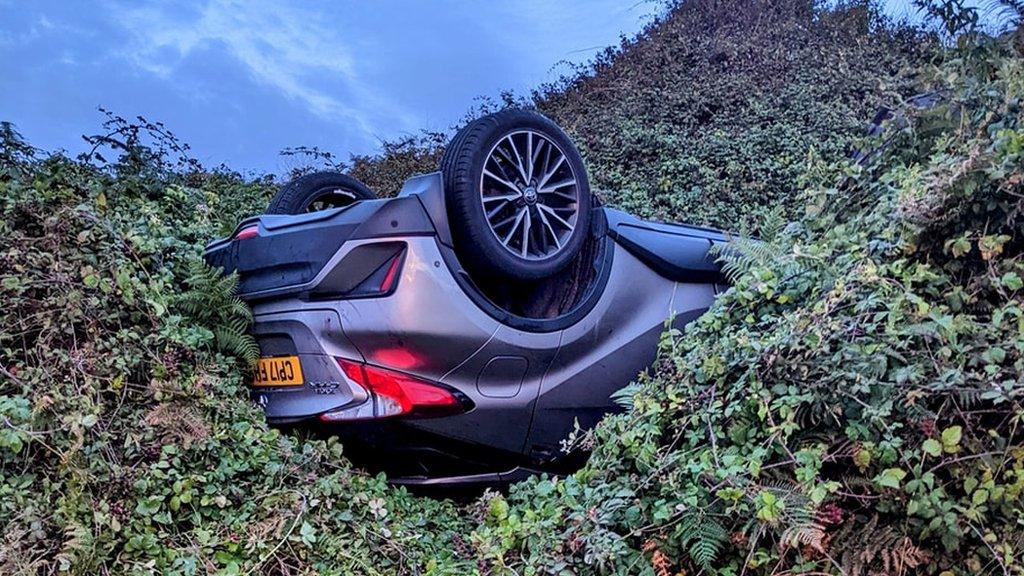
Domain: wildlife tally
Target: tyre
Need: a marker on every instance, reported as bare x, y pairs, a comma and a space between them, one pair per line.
517, 196
318, 191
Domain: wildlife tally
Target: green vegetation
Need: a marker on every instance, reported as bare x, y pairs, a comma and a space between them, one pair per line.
712, 113
127, 441
851, 406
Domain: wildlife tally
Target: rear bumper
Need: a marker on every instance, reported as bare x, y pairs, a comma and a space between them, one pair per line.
323, 391
315, 336
288, 254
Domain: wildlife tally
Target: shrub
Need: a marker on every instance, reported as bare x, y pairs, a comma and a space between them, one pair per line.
127, 443
712, 113
852, 404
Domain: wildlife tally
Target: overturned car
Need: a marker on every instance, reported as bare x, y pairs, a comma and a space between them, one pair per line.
461, 331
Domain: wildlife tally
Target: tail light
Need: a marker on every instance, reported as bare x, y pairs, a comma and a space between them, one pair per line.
377, 274
382, 281
400, 394
391, 275
248, 232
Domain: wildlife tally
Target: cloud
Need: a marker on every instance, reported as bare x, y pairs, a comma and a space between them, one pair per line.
572, 31
21, 35
281, 46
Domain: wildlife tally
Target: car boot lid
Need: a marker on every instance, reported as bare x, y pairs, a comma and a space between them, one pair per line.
275, 254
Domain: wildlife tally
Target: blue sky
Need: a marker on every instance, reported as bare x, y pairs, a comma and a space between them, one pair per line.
240, 80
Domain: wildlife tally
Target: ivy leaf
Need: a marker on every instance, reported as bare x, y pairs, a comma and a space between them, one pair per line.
158, 307
932, 447
951, 439
497, 511
307, 534
958, 246
994, 355
862, 458
148, 506
970, 484
545, 488
1012, 281
769, 507
992, 245
979, 497
890, 477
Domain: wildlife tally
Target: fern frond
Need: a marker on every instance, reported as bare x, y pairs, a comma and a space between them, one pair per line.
703, 536
870, 549
742, 255
210, 300
773, 222
624, 396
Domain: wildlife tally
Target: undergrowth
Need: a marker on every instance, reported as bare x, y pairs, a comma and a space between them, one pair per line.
850, 406
714, 111
853, 404
127, 444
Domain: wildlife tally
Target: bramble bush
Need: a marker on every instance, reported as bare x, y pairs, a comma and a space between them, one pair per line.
711, 113
127, 443
850, 406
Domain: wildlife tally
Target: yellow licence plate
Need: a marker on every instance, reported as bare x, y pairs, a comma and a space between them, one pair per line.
279, 371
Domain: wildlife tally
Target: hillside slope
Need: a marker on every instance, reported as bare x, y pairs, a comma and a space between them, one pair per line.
853, 404
713, 112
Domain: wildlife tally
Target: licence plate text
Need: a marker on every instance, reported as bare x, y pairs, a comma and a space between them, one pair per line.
279, 371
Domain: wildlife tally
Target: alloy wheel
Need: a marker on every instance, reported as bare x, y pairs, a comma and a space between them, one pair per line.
530, 195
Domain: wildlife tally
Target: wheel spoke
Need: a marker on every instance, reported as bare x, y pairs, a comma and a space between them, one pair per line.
505, 197
544, 220
555, 215
519, 161
514, 159
519, 218
507, 184
551, 171
494, 211
536, 155
501, 223
547, 158
506, 155
557, 185
565, 195
502, 167
526, 232
529, 158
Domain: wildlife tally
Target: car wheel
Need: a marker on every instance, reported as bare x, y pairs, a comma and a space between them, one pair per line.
318, 191
517, 195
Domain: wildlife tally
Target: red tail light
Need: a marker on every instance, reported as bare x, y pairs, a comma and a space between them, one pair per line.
400, 394
383, 280
391, 275
248, 232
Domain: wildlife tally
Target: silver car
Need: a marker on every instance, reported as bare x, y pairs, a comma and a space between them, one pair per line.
461, 331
